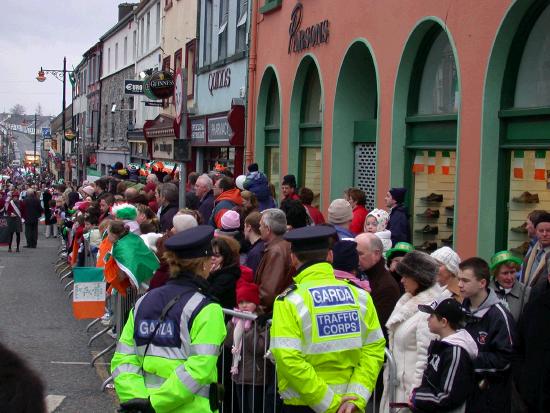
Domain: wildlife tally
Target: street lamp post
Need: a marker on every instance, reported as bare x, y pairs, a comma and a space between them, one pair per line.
34, 154
62, 76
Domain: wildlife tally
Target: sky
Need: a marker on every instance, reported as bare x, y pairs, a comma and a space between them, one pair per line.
40, 33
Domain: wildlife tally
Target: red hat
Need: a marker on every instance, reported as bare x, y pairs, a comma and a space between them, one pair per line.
150, 186
248, 292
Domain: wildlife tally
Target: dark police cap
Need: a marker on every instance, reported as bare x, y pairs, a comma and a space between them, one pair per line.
192, 243
310, 238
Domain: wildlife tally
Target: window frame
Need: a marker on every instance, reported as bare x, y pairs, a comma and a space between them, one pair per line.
191, 46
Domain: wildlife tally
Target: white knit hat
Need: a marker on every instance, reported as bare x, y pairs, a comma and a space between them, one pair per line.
447, 257
382, 218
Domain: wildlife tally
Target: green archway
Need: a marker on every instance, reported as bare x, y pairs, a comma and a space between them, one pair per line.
305, 138
268, 126
355, 118
495, 144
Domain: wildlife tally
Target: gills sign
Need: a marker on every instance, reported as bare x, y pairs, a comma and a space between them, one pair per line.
218, 79
303, 39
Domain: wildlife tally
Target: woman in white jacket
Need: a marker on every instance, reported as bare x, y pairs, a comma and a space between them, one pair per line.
408, 333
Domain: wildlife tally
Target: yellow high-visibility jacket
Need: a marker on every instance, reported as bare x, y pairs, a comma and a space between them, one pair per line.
326, 340
174, 378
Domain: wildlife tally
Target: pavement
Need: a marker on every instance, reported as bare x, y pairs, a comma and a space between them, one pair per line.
38, 324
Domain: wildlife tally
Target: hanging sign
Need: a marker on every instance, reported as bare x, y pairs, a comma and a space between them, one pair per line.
303, 39
160, 84
179, 94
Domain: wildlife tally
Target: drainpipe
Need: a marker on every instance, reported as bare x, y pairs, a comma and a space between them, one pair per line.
251, 93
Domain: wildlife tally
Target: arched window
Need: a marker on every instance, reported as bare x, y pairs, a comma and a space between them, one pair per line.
272, 134
431, 136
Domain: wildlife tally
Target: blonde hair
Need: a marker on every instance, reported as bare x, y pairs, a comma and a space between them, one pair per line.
178, 265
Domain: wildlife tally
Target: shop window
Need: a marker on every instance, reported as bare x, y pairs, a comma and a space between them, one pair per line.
207, 36
272, 135
310, 133
190, 48
438, 86
222, 155
533, 80
223, 29
431, 140
241, 24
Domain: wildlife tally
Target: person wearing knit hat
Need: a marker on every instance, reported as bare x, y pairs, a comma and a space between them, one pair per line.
376, 222
398, 223
345, 261
447, 276
408, 333
88, 190
340, 215
288, 188
128, 214
182, 222
504, 268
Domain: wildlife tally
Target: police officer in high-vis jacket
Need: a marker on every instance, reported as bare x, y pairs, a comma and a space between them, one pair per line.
165, 360
325, 336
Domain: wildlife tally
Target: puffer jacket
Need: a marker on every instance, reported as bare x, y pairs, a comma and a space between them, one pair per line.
257, 183
409, 338
225, 201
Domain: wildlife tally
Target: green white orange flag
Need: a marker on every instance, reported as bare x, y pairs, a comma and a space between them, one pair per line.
540, 165
518, 164
137, 261
88, 292
418, 165
445, 162
431, 162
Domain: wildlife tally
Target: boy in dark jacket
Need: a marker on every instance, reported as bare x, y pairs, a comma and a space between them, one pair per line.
493, 329
257, 183
449, 376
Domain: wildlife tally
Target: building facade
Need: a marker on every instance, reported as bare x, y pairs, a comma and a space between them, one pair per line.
117, 108
447, 101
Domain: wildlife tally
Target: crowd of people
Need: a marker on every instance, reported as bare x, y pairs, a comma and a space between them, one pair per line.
466, 334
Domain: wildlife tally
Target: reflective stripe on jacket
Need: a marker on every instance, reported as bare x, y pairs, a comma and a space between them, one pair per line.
176, 378
326, 341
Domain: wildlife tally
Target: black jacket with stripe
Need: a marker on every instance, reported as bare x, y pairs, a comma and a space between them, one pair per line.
447, 381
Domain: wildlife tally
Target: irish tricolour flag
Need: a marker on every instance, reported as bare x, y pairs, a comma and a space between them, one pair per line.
88, 292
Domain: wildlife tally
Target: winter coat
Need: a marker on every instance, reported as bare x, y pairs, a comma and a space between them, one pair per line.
344, 234
222, 284
399, 225
225, 201
385, 237
534, 351
274, 273
251, 365
257, 183
166, 216
384, 291
32, 210
358, 222
449, 376
535, 278
254, 255
315, 215
513, 301
48, 218
409, 338
206, 205
493, 329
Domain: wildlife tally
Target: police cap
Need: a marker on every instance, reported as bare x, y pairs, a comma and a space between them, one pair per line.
310, 238
192, 243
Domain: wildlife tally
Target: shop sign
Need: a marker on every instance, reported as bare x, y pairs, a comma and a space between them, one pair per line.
303, 39
198, 129
163, 148
218, 129
133, 87
160, 84
218, 79
47, 144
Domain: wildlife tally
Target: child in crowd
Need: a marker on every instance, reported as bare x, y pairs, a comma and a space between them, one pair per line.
248, 343
376, 223
449, 376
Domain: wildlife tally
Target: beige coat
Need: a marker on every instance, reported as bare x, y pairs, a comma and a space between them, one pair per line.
409, 338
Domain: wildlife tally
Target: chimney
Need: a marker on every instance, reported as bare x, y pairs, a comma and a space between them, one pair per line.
124, 9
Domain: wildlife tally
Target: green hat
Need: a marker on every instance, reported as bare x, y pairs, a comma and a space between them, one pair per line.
504, 256
399, 247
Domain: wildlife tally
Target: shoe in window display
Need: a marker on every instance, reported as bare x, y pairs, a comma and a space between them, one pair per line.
521, 229
448, 241
432, 198
428, 229
450, 222
526, 198
429, 213
450, 208
427, 246
521, 249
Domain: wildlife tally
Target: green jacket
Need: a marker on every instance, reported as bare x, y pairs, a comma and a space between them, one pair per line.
175, 379
326, 340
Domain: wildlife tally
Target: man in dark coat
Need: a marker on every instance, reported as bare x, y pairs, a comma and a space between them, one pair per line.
398, 223
33, 211
534, 336
205, 194
168, 200
384, 289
